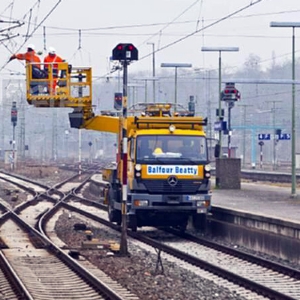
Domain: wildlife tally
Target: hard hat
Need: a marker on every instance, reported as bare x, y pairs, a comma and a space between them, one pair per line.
158, 151
31, 46
51, 50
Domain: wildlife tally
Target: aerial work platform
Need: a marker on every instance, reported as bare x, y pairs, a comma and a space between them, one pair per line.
62, 86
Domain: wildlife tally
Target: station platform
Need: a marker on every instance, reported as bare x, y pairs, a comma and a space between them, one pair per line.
267, 200
259, 198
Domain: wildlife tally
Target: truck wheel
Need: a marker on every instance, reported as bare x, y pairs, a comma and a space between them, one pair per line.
183, 225
199, 222
112, 214
132, 223
119, 218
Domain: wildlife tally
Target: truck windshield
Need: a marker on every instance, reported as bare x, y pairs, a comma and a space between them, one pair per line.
183, 148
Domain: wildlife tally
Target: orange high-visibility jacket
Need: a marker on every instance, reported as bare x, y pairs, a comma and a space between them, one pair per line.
52, 59
30, 57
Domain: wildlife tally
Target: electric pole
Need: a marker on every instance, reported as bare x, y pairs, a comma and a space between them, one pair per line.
153, 69
273, 110
244, 106
14, 119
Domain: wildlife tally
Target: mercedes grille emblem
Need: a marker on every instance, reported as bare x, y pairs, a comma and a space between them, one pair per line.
172, 180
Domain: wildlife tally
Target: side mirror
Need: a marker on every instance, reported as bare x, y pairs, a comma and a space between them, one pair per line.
217, 151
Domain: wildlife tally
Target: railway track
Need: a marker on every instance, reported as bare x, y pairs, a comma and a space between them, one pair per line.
40, 269
248, 275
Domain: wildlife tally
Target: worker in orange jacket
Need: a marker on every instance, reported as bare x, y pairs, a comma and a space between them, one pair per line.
53, 59
31, 58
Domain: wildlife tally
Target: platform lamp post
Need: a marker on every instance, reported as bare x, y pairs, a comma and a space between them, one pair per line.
220, 50
176, 66
292, 25
153, 69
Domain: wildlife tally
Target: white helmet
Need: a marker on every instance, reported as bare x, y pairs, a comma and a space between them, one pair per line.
31, 46
51, 50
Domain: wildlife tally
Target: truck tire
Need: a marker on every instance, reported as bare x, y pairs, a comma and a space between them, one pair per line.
132, 223
199, 222
114, 215
182, 225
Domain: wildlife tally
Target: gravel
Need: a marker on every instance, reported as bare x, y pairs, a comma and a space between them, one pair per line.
140, 272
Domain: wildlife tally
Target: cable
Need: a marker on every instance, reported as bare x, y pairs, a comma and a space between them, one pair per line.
34, 29
33, 6
28, 27
206, 27
198, 30
159, 24
46, 17
80, 50
7, 7
200, 10
168, 24
38, 8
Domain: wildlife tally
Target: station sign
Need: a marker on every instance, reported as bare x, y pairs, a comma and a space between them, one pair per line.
220, 125
264, 136
283, 136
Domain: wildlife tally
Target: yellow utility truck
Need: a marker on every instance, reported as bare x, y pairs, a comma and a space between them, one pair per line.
168, 170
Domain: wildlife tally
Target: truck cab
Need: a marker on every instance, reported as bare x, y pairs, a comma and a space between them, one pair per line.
168, 172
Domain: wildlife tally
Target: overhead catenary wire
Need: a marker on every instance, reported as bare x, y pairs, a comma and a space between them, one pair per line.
9, 6
80, 49
36, 15
171, 22
205, 27
201, 29
34, 29
199, 15
89, 31
193, 33
44, 35
28, 26
41, 22
86, 30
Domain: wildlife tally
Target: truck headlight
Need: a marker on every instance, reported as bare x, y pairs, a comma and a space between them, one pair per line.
207, 168
138, 167
203, 203
172, 128
140, 202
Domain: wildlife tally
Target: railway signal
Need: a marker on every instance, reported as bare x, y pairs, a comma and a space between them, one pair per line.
125, 52
14, 113
230, 93
118, 101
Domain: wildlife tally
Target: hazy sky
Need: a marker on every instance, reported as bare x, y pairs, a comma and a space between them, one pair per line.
174, 26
